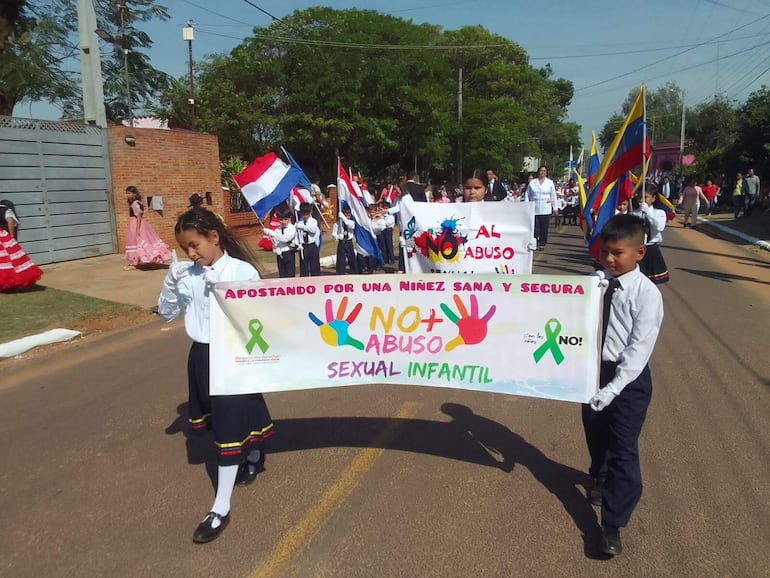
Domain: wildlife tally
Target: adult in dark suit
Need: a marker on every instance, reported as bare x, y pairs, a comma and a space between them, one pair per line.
495, 189
414, 189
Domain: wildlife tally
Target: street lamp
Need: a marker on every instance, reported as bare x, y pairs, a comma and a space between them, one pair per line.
107, 37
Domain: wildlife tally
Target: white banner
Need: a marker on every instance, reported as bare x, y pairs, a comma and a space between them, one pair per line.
467, 238
532, 335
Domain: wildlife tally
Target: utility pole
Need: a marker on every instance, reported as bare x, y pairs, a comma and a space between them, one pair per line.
187, 34
681, 136
90, 66
460, 126
124, 41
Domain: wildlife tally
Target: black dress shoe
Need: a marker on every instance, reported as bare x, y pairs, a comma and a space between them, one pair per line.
595, 492
245, 476
610, 542
205, 532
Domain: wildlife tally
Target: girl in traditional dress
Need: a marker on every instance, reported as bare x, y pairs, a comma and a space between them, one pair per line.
16, 268
143, 246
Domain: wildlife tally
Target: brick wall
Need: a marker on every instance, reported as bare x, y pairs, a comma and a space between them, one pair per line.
244, 224
174, 164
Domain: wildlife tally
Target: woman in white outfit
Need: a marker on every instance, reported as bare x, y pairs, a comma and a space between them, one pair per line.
542, 192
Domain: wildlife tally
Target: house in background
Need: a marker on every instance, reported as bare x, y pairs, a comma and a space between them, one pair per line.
664, 159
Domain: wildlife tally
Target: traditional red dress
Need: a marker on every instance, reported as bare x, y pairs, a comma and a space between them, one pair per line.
16, 268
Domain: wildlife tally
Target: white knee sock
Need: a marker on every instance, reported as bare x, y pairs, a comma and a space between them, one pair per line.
225, 483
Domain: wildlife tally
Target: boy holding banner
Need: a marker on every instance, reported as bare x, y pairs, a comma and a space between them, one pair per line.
613, 418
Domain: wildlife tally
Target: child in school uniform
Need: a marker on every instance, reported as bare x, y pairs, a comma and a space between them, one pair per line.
284, 240
240, 422
386, 237
309, 234
614, 416
653, 265
367, 263
343, 233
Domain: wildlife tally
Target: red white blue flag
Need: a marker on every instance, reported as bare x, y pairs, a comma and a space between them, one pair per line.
347, 193
267, 182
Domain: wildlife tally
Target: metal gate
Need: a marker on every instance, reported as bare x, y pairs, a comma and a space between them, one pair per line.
58, 176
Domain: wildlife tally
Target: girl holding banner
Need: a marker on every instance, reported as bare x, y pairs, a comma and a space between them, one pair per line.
240, 422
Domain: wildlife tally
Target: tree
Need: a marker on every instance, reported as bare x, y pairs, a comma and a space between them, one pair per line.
10, 10
380, 91
753, 142
146, 83
31, 61
35, 63
664, 114
712, 127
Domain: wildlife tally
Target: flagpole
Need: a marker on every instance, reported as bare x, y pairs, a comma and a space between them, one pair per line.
644, 139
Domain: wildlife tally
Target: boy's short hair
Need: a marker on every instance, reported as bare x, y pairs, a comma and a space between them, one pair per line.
305, 208
283, 212
623, 228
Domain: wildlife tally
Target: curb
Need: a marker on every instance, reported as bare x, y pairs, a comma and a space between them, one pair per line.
748, 238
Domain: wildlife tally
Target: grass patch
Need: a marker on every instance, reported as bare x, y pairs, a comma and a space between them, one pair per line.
40, 308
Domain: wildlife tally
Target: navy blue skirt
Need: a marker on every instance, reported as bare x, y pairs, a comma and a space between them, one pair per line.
240, 422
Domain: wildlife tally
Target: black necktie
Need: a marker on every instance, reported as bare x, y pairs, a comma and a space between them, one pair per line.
607, 303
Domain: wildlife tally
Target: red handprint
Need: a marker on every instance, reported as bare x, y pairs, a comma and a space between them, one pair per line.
473, 329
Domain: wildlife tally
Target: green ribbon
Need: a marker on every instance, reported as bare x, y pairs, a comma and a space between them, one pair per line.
552, 330
255, 329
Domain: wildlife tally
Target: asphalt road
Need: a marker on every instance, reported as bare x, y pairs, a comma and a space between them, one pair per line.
99, 479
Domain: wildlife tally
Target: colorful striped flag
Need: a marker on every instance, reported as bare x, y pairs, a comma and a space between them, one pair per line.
347, 193
267, 182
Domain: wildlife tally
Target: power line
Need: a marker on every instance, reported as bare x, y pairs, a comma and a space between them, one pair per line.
712, 60
629, 73
741, 10
275, 18
217, 13
287, 40
745, 76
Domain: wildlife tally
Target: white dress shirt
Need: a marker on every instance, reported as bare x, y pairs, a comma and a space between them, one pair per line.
344, 228
656, 219
635, 316
282, 238
543, 195
190, 296
309, 228
665, 189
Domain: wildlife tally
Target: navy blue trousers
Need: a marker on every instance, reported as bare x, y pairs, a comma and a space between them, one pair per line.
346, 257
541, 229
612, 436
310, 263
287, 264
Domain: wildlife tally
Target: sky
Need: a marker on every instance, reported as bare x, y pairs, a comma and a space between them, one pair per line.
605, 47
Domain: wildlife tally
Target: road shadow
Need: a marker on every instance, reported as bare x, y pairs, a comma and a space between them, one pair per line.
666, 247
510, 449
199, 445
722, 276
468, 437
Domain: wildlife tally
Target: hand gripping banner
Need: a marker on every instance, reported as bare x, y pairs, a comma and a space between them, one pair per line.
535, 335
